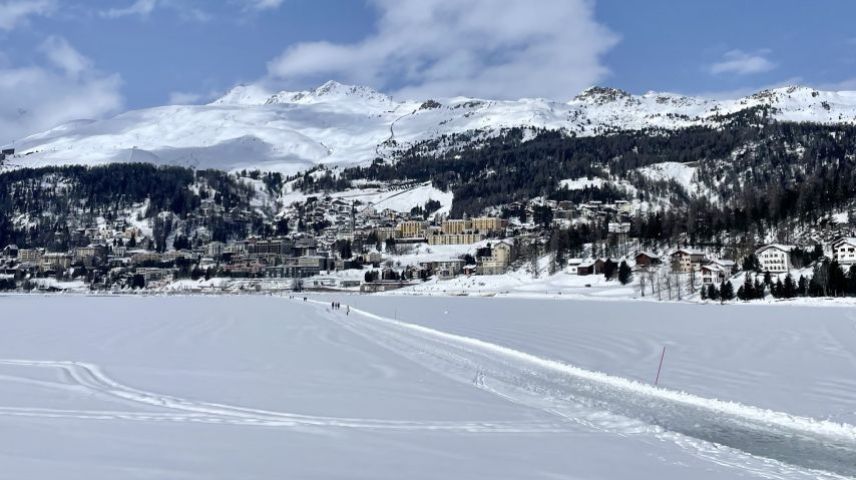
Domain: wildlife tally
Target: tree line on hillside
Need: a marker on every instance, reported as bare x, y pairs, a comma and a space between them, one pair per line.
757, 172
57, 201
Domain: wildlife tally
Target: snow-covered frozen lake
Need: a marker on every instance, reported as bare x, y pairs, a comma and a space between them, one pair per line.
259, 387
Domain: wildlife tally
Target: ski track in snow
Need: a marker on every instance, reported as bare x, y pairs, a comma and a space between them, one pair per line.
769, 443
88, 379
766, 443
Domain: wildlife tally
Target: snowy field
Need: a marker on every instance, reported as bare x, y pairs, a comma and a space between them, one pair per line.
260, 387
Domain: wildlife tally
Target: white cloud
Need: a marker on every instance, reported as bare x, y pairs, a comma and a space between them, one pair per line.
192, 98
142, 8
489, 48
742, 63
261, 4
847, 84
62, 55
67, 87
15, 12
145, 8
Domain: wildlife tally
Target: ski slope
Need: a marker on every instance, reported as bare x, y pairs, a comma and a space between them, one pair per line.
264, 387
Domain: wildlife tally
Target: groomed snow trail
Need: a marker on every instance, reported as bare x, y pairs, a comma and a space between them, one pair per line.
87, 379
615, 404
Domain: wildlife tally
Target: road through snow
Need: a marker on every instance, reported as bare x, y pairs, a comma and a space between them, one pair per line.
615, 404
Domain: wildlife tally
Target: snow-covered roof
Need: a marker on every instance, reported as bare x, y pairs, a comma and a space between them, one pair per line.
723, 262
688, 251
776, 246
844, 240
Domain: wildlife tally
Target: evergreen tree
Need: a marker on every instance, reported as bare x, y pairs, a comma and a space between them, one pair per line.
181, 243
282, 226
344, 249
609, 269
727, 291
625, 274
751, 263
789, 289
713, 292
837, 279
851, 280
802, 286
817, 253
819, 284
759, 292
559, 260
778, 289
542, 215
747, 290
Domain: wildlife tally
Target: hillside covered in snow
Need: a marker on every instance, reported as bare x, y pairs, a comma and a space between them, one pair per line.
334, 124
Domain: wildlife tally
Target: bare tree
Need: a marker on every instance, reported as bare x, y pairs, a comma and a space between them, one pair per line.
659, 287
678, 285
651, 281
692, 281
669, 286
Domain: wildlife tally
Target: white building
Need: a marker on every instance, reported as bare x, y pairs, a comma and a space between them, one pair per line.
500, 257
573, 267
844, 250
716, 271
774, 258
685, 260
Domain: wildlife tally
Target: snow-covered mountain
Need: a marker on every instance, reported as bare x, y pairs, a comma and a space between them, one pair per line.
335, 124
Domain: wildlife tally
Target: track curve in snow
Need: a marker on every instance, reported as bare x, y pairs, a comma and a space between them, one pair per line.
612, 403
88, 379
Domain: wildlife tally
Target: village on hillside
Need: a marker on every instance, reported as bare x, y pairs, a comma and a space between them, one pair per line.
366, 250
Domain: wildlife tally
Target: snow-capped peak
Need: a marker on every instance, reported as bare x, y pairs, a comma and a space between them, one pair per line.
244, 94
329, 92
332, 91
252, 127
600, 95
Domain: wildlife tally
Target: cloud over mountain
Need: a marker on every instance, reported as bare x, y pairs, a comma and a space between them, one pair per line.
488, 48
63, 86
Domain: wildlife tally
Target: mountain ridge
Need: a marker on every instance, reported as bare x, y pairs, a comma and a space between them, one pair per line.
251, 127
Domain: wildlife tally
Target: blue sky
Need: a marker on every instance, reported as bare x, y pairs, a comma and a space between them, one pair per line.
67, 59
671, 45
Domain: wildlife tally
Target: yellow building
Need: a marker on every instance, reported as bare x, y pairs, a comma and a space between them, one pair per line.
55, 261
410, 229
384, 232
439, 238
489, 224
450, 227
30, 255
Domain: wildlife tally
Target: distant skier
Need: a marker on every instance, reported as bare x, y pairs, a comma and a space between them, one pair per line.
348, 310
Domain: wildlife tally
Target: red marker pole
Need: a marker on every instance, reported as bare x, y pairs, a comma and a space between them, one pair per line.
660, 368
